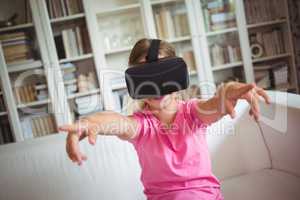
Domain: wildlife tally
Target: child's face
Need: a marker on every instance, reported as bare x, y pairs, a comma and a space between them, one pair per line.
162, 102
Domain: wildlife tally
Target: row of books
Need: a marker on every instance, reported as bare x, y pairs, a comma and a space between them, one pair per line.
38, 125
16, 47
271, 75
88, 104
31, 92
224, 53
272, 41
69, 71
5, 131
219, 15
188, 57
25, 93
121, 101
261, 11
78, 82
73, 42
60, 8
171, 22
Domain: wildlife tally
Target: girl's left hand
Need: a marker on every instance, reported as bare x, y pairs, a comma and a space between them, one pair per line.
233, 91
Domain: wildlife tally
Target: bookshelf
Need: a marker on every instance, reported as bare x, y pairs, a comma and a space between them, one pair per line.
222, 40
64, 59
269, 29
25, 76
74, 55
247, 41
172, 24
119, 25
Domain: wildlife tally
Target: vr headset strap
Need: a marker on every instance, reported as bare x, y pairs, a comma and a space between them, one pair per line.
152, 55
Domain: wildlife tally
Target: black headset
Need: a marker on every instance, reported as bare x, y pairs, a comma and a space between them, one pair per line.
156, 77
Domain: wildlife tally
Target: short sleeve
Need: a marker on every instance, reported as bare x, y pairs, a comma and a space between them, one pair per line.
190, 108
142, 127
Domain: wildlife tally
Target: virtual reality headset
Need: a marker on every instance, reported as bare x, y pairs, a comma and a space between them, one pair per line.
156, 77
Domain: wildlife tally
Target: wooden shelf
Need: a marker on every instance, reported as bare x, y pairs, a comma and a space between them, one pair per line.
284, 87
118, 50
3, 113
193, 73
23, 66
269, 58
224, 31
156, 2
261, 24
67, 18
69, 82
227, 66
35, 103
118, 10
77, 58
179, 39
88, 93
119, 86
16, 27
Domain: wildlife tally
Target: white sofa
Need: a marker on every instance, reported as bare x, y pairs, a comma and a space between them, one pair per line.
40, 170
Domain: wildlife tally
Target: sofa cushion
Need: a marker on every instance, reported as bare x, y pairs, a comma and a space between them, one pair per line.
262, 185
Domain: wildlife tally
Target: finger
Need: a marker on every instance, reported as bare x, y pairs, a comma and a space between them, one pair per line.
92, 135
261, 92
250, 99
255, 106
238, 92
69, 152
68, 128
83, 157
74, 149
230, 109
92, 138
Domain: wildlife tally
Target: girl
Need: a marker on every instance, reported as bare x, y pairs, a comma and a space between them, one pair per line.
168, 135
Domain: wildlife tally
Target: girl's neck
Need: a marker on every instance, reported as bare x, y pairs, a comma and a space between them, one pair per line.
166, 114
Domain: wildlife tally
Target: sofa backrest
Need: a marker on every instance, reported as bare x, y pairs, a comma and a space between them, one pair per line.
40, 169
236, 145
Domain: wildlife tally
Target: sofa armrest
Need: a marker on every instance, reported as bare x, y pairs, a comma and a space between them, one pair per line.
280, 123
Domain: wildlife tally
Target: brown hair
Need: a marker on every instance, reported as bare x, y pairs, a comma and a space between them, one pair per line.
141, 47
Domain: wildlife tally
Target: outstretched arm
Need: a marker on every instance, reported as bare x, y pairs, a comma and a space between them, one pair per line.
226, 97
104, 123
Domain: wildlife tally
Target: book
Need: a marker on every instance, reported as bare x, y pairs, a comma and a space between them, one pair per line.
271, 40
260, 11
188, 57
61, 8
181, 24
159, 25
16, 47
88, 104
37, 125
26, 127
59, 43
25, 94
271, 75
75, 41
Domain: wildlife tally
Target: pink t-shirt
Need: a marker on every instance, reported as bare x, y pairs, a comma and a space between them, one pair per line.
175, 162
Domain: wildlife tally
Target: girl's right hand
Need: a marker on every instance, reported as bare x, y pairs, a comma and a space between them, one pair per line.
77, 132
